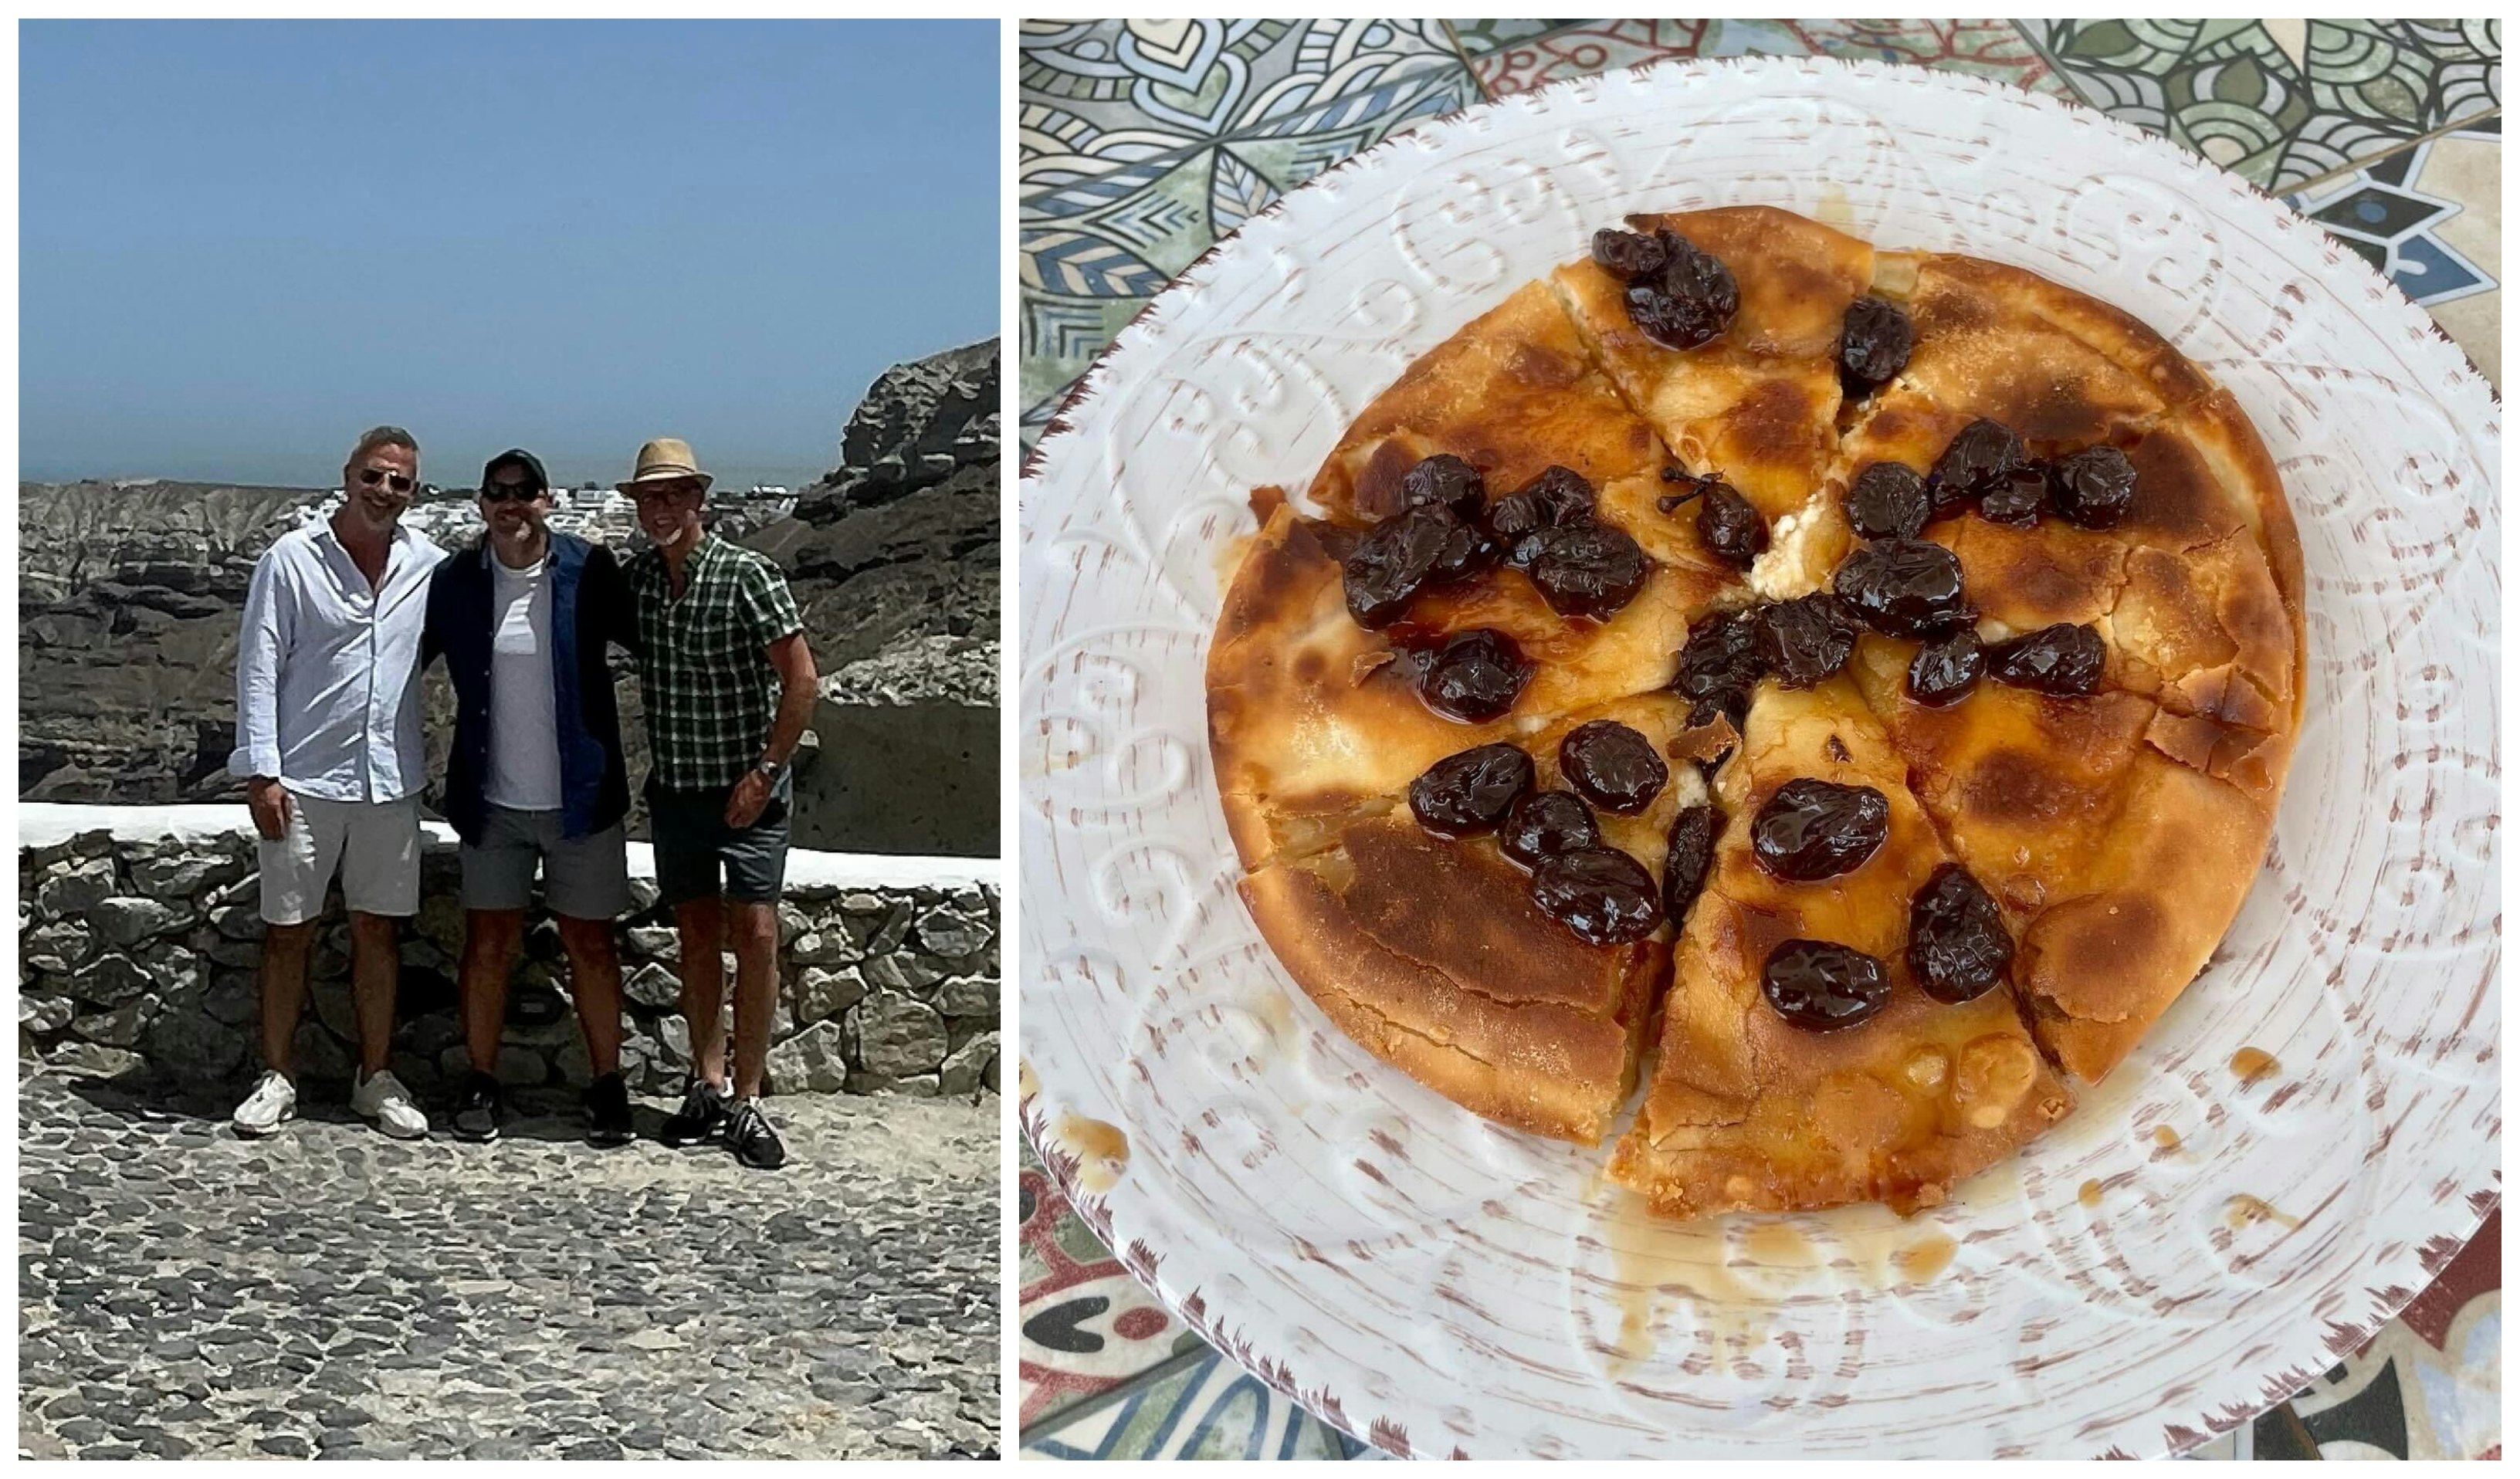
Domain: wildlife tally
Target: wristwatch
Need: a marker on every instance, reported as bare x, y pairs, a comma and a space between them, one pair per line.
769, 772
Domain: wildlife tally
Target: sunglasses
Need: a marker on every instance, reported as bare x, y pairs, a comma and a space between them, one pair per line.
499, 493
395, 481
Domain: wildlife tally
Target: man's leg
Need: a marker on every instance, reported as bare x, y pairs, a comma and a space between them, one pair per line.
492, 938
755, 927
701, 925
381, 884
588, 882
375, 969
594, 980
757, 866
296, 869
284, 949
498, 884
688, 880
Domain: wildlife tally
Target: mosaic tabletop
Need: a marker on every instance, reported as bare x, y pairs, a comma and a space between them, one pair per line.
1144, 142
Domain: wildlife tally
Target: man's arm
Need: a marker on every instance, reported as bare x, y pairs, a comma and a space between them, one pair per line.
797, 693
771, 611
794, 661
261, 640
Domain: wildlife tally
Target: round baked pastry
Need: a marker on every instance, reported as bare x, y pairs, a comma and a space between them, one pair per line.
1879, 668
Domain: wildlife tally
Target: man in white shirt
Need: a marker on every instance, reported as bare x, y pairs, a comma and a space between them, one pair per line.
329, 740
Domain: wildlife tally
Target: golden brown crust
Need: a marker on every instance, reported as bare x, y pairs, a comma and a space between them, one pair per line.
2119, 837
2198, 590
2183, 591
1311, 716
1796, 276
2055, 366
1511, 393
1432, 956
2156, 896
2026, 786
1747, 1111
1431, 953
2222, 434
1501, 396
2257, 570
1758, 403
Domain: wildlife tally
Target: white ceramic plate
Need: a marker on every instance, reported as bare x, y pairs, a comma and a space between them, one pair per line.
1437, 1284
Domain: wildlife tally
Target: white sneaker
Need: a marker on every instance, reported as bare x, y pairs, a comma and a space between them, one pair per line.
385, 1101
274, 1099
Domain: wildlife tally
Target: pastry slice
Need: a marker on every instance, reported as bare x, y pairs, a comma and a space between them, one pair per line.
2061, 371
2054, 365
1512, 394
1756, 404
1310, 714
1431, 952
2192, 575
2118, 863
1516, 395
1751, 1110
2194, 589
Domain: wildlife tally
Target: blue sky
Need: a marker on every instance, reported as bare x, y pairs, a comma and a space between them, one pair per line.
241, 244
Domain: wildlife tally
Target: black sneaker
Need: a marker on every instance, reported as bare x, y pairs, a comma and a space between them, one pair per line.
750, 1136
702, 1115
478, 1109
607, 1111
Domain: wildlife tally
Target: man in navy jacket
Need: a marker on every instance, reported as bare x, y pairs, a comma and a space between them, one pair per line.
536, 775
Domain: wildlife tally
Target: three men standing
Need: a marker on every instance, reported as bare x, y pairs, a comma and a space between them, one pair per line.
340, 620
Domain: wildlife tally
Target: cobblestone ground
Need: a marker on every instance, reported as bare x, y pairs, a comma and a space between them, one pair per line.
334, 1294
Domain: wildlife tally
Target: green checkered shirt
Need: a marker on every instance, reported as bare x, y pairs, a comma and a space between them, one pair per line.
710, 691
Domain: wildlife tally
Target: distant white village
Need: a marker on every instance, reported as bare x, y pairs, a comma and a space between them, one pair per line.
450, 516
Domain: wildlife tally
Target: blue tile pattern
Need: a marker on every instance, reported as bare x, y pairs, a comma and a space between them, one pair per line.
1196, 1407
1144, 141
2379, 213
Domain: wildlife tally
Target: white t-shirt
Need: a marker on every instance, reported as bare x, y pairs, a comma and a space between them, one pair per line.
525, 736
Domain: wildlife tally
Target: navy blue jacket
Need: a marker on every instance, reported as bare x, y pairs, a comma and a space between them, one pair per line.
590, 607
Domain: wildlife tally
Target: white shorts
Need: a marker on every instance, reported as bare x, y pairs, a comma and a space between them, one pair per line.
373, 844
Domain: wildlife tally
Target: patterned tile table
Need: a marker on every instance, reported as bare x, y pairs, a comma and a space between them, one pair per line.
1144, 142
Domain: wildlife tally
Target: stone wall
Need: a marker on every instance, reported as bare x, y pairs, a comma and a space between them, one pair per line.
139, 952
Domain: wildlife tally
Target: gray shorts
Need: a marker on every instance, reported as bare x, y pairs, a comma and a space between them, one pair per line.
700, 857
584, 877
373, 845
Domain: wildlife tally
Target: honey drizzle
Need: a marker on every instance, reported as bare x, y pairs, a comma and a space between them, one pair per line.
1101, 1152
1922, 1261
2241, 1210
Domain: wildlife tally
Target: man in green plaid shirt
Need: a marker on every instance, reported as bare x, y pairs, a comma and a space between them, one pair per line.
728, 685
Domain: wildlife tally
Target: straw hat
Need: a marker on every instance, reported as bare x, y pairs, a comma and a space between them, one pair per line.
667, 458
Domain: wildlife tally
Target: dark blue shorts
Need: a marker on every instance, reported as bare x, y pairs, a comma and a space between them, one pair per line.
700, 857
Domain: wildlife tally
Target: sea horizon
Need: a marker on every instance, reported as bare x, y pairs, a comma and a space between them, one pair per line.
736, 476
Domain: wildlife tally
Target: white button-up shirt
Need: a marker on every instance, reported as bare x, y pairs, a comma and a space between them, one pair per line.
328, 668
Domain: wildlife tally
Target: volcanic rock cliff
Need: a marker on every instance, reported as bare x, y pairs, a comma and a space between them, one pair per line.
128, 596
893, 558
